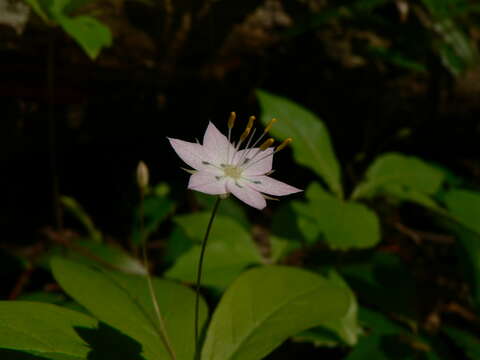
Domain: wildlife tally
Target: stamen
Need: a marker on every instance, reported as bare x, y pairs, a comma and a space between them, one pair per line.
269, 125
231, 120
267, 129
280, 147
284, 144
267, 144
247, 129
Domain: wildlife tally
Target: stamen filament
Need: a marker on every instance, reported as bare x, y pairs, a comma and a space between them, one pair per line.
282, 146
269, 125
230, 123
267, 129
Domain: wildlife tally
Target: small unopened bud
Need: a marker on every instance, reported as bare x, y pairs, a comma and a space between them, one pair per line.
142, 175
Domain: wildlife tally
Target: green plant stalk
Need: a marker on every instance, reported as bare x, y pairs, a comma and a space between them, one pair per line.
199, 276
162, 330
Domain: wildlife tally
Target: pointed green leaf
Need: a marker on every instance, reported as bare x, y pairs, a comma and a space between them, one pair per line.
469, 343
311, 142
267, 305
464, 205
88, 32
344, 330
343, 224
230, 249
399, 171
44, 329
123, 302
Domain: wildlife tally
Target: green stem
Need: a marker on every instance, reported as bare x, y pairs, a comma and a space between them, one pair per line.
199, 276
162, 330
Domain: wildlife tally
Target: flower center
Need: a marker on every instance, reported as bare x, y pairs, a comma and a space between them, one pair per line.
233, 171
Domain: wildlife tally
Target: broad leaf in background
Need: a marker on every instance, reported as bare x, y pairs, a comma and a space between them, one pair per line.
344, 330
311, 142
267, 305
464, 206
455, 48
89, 33
229, 207
401, 176
230, 249
389, 340
123, 302
72, 206
469, 343
155, 210
383, 281
344, 225
43, 329
110, 256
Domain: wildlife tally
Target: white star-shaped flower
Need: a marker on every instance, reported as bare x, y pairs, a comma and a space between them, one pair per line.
220, 167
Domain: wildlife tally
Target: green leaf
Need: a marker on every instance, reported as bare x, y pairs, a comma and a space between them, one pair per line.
45, 329
123, 302
383, 280
229, 207
106, 254
378, 323
396, 171
230, 249
88, 32
39, 9
464, 205
466, 341
267, 305
156, 209
344, 330
81, 215
311, 142
344, 225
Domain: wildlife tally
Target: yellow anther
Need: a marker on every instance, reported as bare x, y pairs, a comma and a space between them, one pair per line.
248, 128
267, 144
269, 125
231, 120
284, 144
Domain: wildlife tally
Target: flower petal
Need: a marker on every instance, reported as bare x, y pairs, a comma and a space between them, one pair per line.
268, 185
191, 153
245, 193
217, 145
207, 183
259, 163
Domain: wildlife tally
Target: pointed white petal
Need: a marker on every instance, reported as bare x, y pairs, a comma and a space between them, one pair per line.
268, 185
217, 145
245, 193
191, 153
258, 163
207, 183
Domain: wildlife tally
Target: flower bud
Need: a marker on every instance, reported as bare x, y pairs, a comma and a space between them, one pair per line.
142, 175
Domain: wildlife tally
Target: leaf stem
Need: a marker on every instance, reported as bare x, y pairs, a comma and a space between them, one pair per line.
199, 276
162, 330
